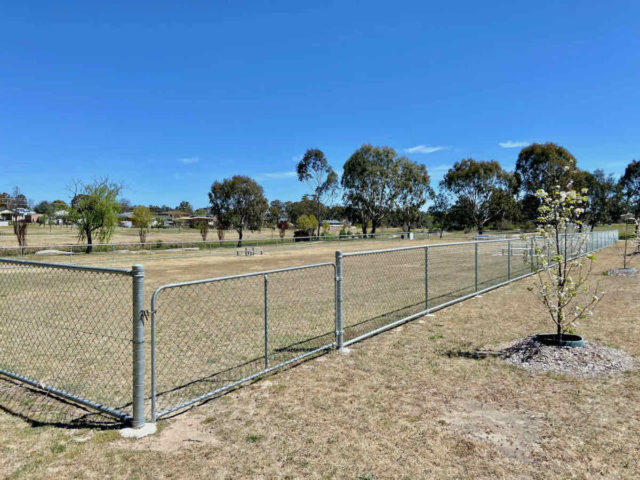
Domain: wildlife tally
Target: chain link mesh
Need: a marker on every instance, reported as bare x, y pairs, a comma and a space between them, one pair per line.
212, 334
381, 287
68, 330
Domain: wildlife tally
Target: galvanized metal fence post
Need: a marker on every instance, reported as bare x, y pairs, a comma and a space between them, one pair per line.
266, 321
138, 345
532, 254
508, 259
339, 319
476, 279
426, 278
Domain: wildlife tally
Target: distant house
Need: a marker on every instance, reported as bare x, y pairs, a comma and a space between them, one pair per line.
162, 221
174, 214
193, 220
19, 214
334, 223
6, 215
125, 219
59, 217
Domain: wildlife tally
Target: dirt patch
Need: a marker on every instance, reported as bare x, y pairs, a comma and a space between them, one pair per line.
624, 272
591, 360
177, 436
514, 433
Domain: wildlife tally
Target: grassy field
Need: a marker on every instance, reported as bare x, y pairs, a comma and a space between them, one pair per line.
404, 404
38, 235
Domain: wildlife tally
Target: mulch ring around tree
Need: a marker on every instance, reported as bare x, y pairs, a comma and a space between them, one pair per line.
588, 361
624, 272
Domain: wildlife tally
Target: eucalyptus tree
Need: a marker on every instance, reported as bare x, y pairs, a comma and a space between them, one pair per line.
630, 185
413, 190
314, 169
545, 166
238, 202
370, 184
475, 183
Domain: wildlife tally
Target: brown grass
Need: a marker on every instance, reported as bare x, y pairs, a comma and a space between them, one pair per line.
395, 406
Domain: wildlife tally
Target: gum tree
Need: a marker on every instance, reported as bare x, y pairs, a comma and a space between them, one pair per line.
370, 182
563, 287
239, 202
413, 191
476, 183
320, 176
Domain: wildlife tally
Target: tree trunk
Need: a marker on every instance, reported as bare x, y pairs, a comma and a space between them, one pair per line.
480, 229
318, 217
89, 241
239, 237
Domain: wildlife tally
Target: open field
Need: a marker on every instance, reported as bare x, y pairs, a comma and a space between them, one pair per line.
400, 405
38, 235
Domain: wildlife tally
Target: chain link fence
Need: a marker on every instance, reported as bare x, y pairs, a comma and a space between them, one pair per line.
380, 289
68, 330
211, 335
78, 332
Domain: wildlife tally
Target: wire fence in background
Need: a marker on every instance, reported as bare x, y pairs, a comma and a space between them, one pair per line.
123, 251
68, 330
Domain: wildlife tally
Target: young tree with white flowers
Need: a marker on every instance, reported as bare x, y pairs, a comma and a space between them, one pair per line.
563, 286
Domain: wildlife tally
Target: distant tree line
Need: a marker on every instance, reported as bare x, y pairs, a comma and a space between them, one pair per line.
378, 188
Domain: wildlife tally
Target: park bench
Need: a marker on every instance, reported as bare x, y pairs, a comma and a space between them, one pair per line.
249, 251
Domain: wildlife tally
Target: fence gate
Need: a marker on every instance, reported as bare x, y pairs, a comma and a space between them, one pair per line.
210, 335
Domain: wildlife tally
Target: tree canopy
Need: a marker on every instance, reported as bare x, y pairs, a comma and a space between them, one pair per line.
630, 184
142, 218
544, 166
413, 190
238, 202
95, 208
370, 182
316, 171
476, 182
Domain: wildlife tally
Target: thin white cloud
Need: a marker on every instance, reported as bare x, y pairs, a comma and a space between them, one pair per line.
276, 175
512, 144
425, 149
189, 160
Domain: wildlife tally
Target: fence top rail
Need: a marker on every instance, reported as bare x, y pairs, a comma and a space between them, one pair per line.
66, 266
242, 275
451, 244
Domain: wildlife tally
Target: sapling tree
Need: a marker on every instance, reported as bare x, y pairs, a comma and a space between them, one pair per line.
203, 226
629, 220
563, 279
283, 225
141, 219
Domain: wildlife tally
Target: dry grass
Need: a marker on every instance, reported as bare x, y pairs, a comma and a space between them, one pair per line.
38, 235
397, 406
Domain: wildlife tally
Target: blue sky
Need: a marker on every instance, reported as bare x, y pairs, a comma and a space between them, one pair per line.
167, 97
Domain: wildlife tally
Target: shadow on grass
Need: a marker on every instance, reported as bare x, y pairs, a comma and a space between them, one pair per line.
40, 408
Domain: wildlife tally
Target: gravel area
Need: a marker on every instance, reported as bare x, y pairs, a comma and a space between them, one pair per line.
591, 360
624, 272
